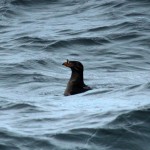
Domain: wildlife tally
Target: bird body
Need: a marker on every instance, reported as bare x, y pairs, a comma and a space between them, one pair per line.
76, 83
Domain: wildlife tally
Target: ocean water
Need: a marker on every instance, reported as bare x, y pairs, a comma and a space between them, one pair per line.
111, 38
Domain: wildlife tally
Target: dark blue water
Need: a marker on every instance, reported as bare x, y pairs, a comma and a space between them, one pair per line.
111, 38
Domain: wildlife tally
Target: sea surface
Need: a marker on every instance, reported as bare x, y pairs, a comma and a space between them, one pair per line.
112, 40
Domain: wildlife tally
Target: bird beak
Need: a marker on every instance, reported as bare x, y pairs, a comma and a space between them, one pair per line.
67, 63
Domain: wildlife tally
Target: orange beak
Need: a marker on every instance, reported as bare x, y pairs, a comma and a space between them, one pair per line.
67, 64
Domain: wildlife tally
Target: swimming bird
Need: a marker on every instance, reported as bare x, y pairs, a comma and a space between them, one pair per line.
76, 83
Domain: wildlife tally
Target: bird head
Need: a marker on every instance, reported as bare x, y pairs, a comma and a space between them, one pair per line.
74, 65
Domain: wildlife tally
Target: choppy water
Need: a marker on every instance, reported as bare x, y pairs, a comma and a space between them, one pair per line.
111, 38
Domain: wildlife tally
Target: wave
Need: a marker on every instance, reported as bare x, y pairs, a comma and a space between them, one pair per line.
86, 41
127, 131
124, 36
35, 40
20, 79
133, 118
122, 25
12, 106
32, 2
7, 11
4, 26
15, 141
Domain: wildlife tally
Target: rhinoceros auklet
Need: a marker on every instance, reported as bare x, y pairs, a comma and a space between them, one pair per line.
76, 83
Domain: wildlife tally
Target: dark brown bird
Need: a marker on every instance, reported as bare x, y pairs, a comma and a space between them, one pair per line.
76, 83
